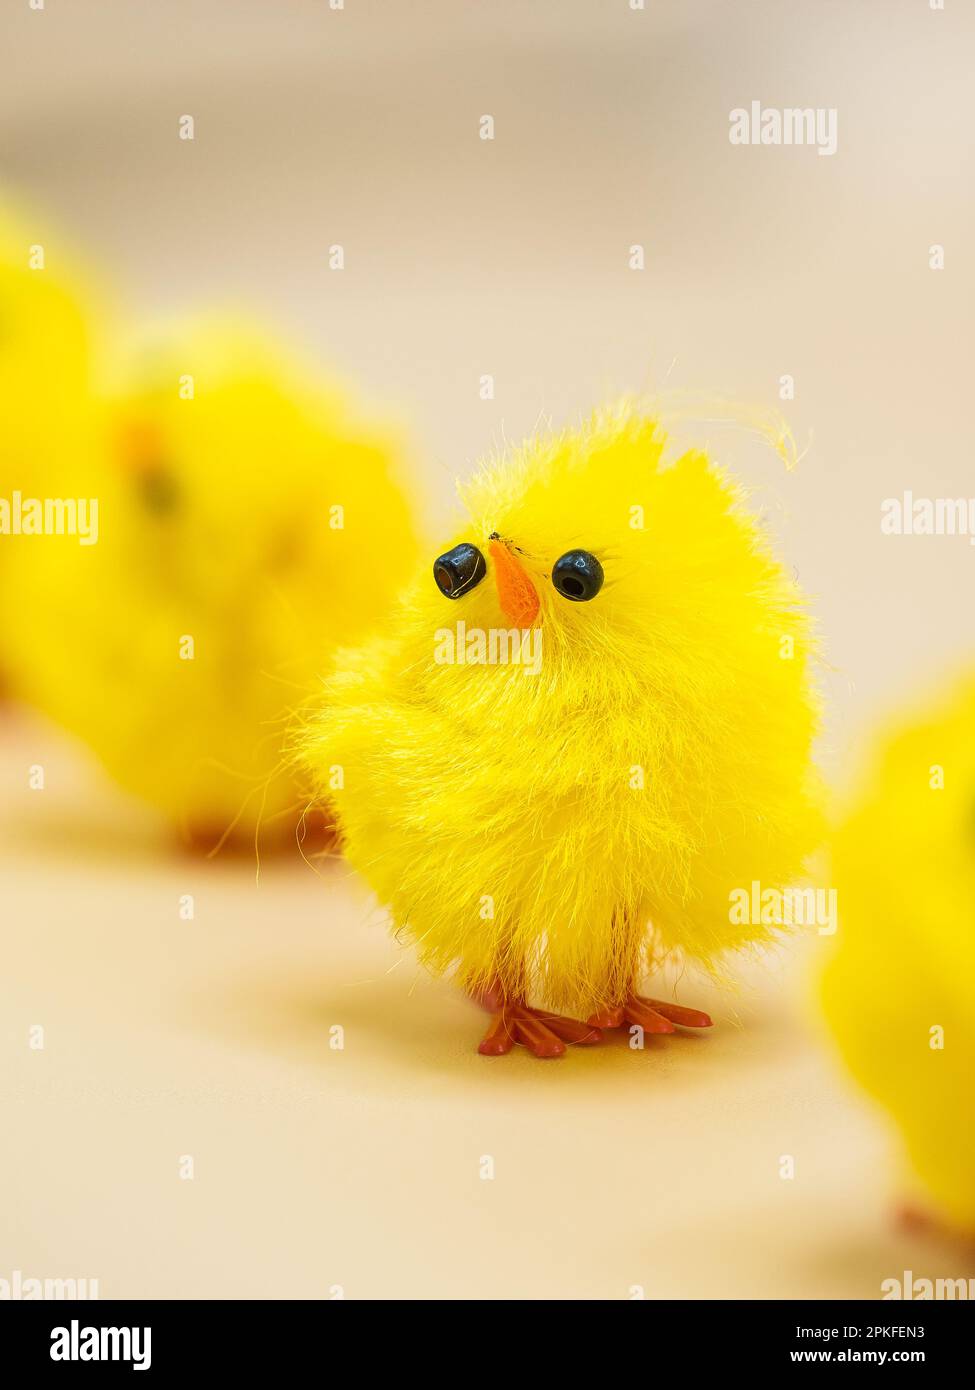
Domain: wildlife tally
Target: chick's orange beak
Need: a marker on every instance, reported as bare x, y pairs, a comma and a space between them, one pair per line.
139, 443
516, 593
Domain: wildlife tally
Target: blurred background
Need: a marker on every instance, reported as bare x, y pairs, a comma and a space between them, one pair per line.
316, 1168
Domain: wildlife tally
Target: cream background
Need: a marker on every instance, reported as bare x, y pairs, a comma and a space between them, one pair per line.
360, 1167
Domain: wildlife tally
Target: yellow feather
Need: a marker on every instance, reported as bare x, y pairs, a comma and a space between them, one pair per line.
559, 831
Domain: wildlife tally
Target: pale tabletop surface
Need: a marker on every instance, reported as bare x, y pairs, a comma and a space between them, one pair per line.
316, 1168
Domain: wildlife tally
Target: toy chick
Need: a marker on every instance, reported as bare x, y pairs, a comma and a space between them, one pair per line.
245, 518
52, 320
589, 721
899, 989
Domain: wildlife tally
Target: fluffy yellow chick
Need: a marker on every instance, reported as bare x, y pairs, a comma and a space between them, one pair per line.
50, 327
247, 523
899, 989
50, 333
579, 734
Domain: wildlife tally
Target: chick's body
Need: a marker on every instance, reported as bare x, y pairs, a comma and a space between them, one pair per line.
243, 513
899, 989
552, 833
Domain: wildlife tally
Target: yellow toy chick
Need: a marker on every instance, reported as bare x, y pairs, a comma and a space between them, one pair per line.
589, 724
899, 989
51, 322
246, 525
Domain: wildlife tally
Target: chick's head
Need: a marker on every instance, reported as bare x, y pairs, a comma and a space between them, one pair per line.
618, 558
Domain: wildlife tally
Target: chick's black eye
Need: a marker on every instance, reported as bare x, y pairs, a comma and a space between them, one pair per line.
578, 576
158, 490
459, 570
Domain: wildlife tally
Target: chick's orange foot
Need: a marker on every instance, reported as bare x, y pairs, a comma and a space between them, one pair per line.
544, 1034
652, 1015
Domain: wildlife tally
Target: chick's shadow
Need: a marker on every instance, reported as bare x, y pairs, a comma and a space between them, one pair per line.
399, 1032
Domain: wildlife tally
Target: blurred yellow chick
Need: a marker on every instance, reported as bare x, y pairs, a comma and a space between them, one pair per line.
580, 733
248, 522
51, 326
899, 989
